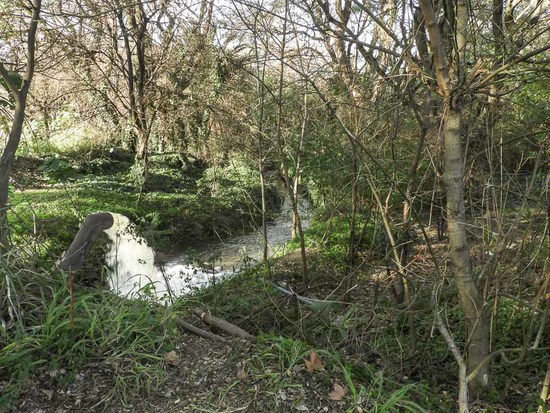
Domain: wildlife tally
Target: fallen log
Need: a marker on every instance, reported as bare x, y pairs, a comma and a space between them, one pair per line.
223, 325
198, 331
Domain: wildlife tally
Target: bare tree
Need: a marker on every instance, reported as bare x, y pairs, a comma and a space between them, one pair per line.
281, 145
18, 86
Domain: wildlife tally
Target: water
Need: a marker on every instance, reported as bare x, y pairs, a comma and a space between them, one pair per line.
136, 272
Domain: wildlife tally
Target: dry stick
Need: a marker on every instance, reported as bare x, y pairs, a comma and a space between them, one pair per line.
198, 331
544, 394
223, 325
462, 369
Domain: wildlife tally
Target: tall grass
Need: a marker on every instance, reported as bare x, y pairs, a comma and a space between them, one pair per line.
48, 325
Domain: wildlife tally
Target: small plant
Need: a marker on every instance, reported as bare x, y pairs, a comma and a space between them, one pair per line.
57, 169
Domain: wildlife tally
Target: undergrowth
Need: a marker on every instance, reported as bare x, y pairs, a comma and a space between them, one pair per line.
364, 346
46, 327
182, 202
372, 338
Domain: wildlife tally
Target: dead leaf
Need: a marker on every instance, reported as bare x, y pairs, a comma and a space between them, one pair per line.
171, 358
314, 362
338, 393
48, 393
241, 374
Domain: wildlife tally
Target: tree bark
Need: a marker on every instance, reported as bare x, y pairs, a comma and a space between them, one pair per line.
281, 145
471, 302
198, 331
260, 90
220, 324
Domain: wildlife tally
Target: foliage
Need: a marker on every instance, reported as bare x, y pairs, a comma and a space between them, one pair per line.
177, 204
57, 169
330, 237
229, 182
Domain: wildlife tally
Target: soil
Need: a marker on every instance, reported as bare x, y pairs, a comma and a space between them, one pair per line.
208, 376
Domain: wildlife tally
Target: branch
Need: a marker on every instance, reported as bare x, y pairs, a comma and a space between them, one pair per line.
462, 368
219, 323
198, 331
436, 44
502, 68
31, 46
11, 85
501, 353
449, 340
379, 22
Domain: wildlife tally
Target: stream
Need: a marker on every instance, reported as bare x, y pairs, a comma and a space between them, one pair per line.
135, 267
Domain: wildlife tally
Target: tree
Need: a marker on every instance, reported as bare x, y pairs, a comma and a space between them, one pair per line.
18, 87
445, 87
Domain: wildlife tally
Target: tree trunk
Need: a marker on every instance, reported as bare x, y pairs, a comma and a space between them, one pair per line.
6, 164
297, 174
260, 90
281, 145
20, 96
477, 322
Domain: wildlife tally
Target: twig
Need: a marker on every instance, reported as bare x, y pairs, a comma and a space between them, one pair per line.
502, 353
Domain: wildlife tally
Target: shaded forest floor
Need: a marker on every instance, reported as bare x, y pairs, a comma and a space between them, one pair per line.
208, 377
364, 361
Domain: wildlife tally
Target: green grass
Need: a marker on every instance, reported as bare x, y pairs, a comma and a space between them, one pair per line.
180, 203
330, 237
64, 332
280, 361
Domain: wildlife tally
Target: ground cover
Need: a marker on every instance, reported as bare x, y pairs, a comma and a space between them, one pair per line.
335, 358
68, 346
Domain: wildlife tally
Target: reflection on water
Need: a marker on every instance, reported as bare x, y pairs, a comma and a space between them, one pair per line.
135, 272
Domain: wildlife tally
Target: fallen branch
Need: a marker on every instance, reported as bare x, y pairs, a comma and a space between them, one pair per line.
315, 304
198, 331
223, 325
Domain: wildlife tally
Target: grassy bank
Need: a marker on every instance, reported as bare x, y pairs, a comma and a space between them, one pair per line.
182, 201
89, 349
